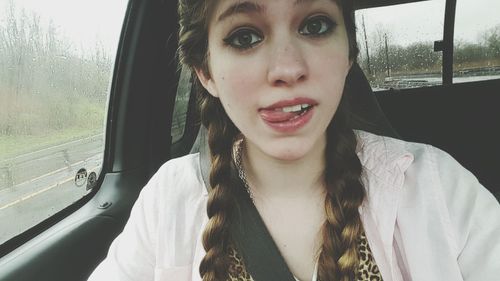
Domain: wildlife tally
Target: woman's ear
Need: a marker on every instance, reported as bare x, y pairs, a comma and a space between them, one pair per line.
207, 82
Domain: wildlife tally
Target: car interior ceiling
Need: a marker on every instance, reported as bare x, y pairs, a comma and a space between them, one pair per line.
462, 119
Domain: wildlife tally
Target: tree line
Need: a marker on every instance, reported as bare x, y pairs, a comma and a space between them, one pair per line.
46, 83
388, 59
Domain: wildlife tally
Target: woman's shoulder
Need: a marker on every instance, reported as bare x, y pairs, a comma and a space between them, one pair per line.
175, 192
421, 169
187, 165
387, 151
178, 178
380, 154
424, 176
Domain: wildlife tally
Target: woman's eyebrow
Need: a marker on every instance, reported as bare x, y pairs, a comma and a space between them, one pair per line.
245, 7
301, 2
248, 7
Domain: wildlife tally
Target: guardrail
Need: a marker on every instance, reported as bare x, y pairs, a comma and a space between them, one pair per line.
32, 165
434, 79
478, 71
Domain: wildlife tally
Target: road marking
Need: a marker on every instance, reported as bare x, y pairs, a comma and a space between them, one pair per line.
59, 170
28, 196
51, 173
54, 172
40, 191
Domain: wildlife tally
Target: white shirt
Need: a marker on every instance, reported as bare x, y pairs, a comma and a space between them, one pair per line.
425, 217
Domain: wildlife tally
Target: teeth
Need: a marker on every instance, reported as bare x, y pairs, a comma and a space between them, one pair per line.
295, 108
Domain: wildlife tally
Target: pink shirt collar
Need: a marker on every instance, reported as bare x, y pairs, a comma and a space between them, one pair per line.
384, 175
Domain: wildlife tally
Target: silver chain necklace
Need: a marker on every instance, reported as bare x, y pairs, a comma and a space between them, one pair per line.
238, 161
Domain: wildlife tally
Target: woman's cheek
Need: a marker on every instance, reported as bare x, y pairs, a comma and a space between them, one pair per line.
243, 82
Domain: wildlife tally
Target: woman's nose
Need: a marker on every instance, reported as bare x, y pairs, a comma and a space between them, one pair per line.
287, 65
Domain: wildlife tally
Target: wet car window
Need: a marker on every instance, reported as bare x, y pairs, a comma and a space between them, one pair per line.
56, 62
397, 44
477, 41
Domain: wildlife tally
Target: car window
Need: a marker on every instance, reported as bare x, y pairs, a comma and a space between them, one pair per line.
397, 44
477, 41
56, 62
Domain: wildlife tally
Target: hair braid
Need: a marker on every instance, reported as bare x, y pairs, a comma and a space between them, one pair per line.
221, 135
338, 258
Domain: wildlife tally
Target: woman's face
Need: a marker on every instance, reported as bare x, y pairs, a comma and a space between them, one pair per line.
278, 68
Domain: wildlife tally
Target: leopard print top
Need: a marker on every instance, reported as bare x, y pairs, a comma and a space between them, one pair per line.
367, 271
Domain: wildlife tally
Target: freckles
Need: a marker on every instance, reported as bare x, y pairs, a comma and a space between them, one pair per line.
241, 82
337, 64
240, 78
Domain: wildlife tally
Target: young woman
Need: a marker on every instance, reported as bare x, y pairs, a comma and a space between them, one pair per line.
338, 204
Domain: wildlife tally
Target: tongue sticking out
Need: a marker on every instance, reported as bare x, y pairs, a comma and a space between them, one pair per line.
275, 116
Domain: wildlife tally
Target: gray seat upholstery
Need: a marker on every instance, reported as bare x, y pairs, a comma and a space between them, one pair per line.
366, 112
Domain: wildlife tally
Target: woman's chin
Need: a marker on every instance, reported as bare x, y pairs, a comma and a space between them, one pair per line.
287, 156
287, 149
288, 153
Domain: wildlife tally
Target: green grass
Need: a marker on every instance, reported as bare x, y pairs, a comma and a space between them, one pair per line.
38, 123
12, 146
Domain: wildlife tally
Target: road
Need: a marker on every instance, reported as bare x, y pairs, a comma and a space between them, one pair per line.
26, 204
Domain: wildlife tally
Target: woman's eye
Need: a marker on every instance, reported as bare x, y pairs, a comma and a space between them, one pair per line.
243, 39
317, 26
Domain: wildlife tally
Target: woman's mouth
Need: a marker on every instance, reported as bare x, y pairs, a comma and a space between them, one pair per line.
289, 115
283, 114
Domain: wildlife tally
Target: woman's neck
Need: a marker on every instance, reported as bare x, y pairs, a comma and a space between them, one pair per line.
280, 179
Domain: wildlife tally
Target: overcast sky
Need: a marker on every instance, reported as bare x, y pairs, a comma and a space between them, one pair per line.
85, 21
423, 21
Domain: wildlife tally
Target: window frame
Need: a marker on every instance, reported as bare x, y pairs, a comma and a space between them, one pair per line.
137, 132
29, 234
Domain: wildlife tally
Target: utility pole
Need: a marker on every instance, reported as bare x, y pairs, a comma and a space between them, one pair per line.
387, 57
366, 46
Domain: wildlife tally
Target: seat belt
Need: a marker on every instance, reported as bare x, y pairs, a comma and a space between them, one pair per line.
252, 239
